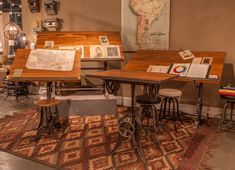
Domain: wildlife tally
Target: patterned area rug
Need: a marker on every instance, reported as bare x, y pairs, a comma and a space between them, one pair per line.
202, 143
86, 141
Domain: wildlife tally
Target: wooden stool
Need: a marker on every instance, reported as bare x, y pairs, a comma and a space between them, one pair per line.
48, 120
224, 114
148, 110
170, 97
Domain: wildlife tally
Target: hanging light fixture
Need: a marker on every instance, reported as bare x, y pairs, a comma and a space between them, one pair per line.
12, 31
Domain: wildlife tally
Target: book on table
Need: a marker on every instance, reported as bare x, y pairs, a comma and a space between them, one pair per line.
198, 70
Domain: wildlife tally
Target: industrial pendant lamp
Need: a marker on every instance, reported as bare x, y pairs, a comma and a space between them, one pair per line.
12, 31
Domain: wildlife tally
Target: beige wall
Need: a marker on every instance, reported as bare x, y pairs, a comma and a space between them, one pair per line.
203, 25
195, 25
78, 15
1, 33
4, 19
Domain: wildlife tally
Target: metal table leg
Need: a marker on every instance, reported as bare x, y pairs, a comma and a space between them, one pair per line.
45, 126
131, 128
199, 101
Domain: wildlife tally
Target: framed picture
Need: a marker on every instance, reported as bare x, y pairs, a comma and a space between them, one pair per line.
186, 54
79, 48
113, 51
98, 51
49, 44
104, 40
207, 60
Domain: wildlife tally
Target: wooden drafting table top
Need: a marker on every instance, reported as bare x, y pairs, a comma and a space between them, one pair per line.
141, 60
86, 38
43, 75
132, 76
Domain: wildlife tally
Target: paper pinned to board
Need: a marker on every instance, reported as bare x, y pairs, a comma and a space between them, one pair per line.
56, 60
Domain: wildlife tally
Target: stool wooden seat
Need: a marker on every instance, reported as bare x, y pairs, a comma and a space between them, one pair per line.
170, 104
49, 120
47, 102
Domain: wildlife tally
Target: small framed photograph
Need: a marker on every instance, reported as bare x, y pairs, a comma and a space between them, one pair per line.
79, 48
113, 51
104, 40
97, 51
207, 60
186, 54
49, 44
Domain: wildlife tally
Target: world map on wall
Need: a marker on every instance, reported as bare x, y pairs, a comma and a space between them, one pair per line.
145, 24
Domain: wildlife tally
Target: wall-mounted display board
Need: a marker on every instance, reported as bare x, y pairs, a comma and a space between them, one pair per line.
86, 41
145, 24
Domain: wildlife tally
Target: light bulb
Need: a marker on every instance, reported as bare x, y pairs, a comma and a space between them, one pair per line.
24, 38
11, 28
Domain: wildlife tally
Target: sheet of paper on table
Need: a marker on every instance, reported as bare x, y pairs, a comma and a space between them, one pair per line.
57, 60
198, 70
197, 60
79, 48
18, 73
186, 54
158, 69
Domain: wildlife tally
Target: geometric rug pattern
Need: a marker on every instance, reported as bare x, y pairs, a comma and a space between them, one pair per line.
86, 142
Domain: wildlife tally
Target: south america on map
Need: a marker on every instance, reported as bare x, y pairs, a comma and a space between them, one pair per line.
145, 24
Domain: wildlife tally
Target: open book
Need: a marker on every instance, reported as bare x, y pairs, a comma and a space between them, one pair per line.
198, 70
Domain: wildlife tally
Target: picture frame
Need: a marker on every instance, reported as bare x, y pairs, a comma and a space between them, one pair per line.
113, 51
79, 48
49, 44
207, 60
104, 40
98, 51
186, 54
